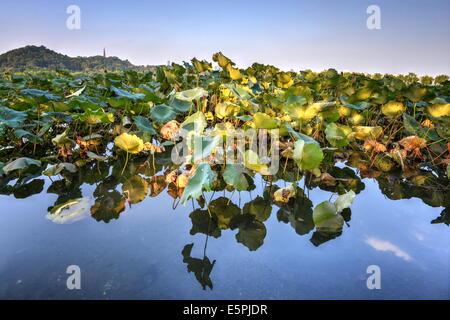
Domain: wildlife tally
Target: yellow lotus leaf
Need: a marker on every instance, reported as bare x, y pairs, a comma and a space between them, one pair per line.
393, 109
209, 116
356, 118
252, 161
129, 143
363, 94
439, 110
234, 73
221, 59
344, 111
364, 132
182, 180
226, 109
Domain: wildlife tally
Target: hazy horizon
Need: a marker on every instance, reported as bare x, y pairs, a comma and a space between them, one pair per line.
295, 35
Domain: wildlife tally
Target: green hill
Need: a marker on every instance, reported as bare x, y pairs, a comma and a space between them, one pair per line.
34, 57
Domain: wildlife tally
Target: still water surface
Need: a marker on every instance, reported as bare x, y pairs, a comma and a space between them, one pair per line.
147, 252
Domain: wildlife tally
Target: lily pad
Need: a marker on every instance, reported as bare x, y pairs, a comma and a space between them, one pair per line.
129, 143
70, 211
307, 155
20, 164
12, 118
135, 189
144, 125
162, 113
202, 178
234, 176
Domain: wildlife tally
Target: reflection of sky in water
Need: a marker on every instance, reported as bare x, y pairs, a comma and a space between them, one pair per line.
381, 245
139, 255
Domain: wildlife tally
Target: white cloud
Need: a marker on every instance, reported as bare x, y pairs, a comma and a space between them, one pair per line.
382, 245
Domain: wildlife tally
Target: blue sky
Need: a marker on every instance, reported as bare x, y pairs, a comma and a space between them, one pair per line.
319, 34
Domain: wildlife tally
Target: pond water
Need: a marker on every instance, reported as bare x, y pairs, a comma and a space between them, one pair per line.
148, 250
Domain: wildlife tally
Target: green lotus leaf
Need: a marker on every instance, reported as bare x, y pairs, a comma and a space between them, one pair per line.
57, 168
415, 93
300, 136
259, 207
181, 106
252, 234
224, 210
296, 101
360, 106
234, 176
240, 92
326, 218
412, 126
162, 113
338, 135
344, 201
120, 93
40, 94
63, 140
86, 103
135, 189
95, 116
19, 133
144, 125
191, 94
203, 146
20, 164
12, 118
308, 156
58, 106
28, 189
324, 211
195, 122
360, 95
203, 177
108, 206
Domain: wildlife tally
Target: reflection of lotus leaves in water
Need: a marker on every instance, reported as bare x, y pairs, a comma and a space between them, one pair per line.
70, 211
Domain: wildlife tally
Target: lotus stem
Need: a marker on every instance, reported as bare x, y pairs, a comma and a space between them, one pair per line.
126, 162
